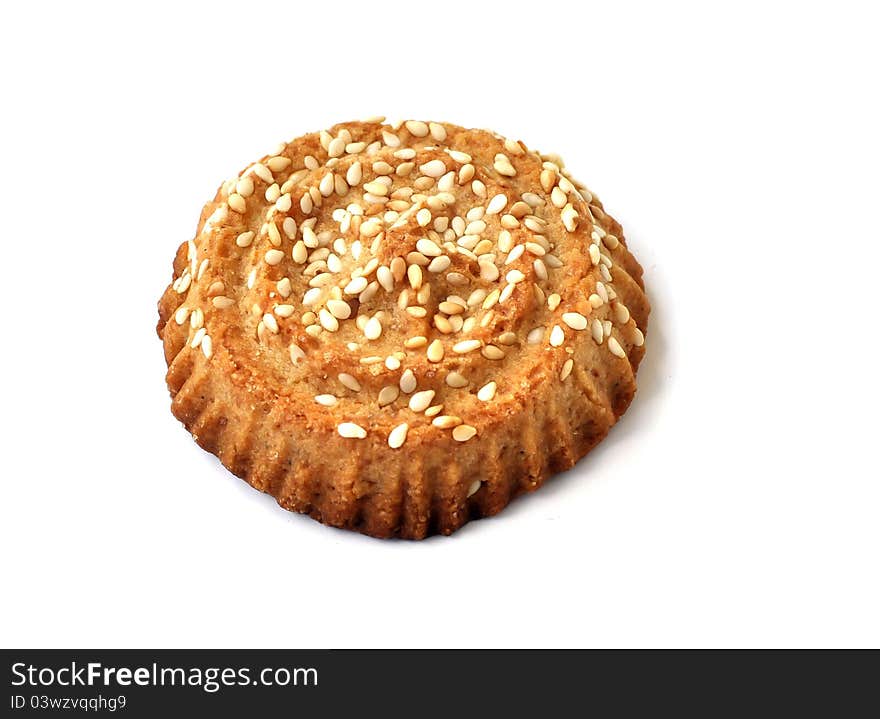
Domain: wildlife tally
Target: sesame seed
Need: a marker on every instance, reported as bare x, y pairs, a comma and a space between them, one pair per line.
457, 380
326, 400
463, 433
466, 346
349, 381
278, 164
446, 421
412, 343
440, 264
397, 436
327, 320
407, 382
270, 323
284, 310
296, 353
450, 308
638, 337
474, 487
373, 329
356, 286
488, 271
438, 132
245, 239
354, 174
492, 352
459, 156
388, 394
420, 401
273, 257
207, 346
615, 347
417, 128
487, 392
558, 198
597, 331
621, 313
351, 430
435, 351
236, 202
496, 204
306, 204
340, 309
336, 147
414, 274
466, 174
503, 167
221, 303
263, 173
289, 227
566, 369
299, 253
198, 337
274, 235
575, 320
433, 168
284, 203
569, 218
515, 254
557, 336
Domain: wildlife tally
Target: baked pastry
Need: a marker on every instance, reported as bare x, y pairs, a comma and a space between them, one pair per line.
396, 328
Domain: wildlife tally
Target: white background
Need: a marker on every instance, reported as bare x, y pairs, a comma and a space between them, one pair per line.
736, 504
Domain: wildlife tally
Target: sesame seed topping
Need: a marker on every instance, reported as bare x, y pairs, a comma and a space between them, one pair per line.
356, 286
615, 347
566, 369
407, 382
638, 337
433, 168
349, 382
446, 421
351, 430
464, 432
237, 203
557, 336
397, 436
388, 394
221, 303
420, 401
326, 400
487, 392
435, 351
496, 204
274, 257
456, 380
466, 346
575, 320
474, 487
245, 239
373, 329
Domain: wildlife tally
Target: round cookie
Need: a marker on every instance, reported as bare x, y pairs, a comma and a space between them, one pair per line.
396, 328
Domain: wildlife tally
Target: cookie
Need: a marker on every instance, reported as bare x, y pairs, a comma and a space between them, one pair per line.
396, 328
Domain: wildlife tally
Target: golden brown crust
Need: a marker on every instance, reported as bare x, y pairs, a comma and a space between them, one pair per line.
531, 285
